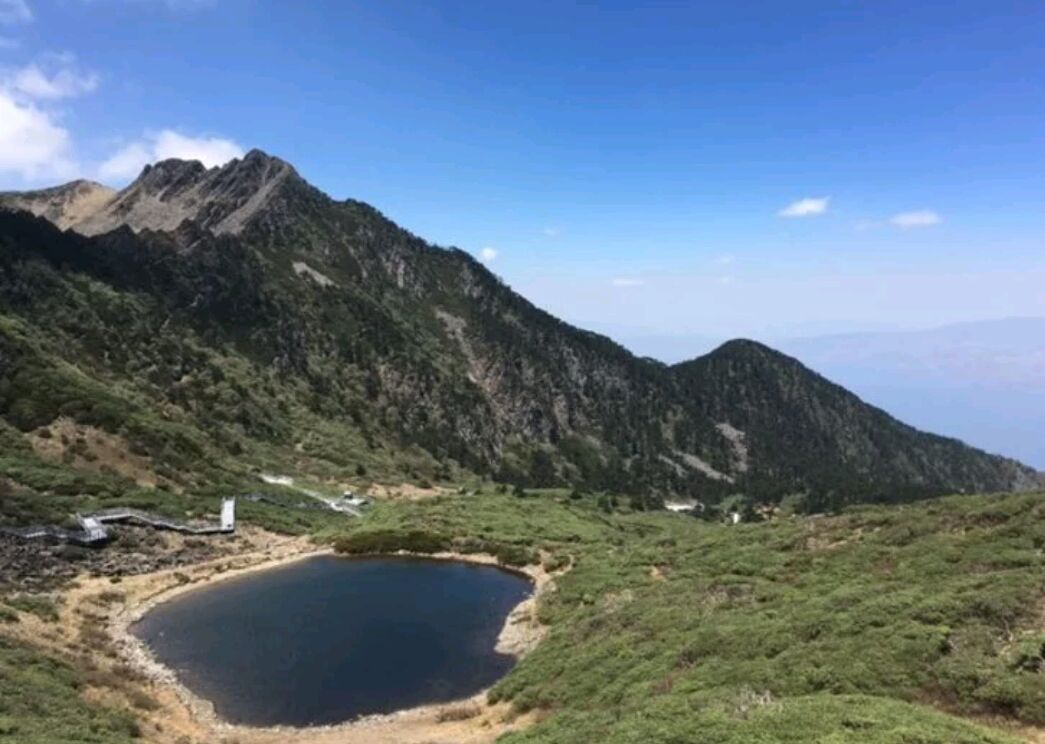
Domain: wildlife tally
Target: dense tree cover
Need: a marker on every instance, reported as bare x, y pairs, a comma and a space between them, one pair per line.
415, 362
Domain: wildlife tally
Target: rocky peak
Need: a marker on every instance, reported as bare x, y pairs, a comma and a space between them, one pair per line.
222, 199
169, 174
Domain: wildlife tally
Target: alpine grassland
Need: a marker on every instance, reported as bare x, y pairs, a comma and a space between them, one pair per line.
916, 623
920, 623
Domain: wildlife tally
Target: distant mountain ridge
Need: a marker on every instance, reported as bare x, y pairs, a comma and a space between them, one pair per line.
353, 342
980, 381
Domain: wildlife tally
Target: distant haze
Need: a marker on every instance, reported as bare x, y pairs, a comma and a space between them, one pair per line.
983, 382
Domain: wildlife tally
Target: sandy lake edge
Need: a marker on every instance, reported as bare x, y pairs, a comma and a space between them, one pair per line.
520, 633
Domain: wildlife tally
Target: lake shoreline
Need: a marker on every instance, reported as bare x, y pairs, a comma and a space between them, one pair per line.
519, 634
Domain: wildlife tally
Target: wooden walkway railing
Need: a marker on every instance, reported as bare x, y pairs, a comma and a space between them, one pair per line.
93, 532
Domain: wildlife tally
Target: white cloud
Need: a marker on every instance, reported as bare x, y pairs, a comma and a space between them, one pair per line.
15, 11
65, 81
488, 254
805, 207
551, 231
627, 281
35, 147
917, 218
32, 145
210, 151
128, 161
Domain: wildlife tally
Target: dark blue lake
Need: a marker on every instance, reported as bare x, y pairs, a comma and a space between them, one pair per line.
328, 639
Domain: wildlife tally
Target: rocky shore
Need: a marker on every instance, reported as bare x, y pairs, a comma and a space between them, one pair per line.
35, 566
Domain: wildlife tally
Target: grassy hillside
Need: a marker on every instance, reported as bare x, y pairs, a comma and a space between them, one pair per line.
862, 627
40, 702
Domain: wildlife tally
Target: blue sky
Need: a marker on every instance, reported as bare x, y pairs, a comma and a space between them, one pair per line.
630, 169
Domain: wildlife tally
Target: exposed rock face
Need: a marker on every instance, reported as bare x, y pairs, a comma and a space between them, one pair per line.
220, 199
422, 347
66, 206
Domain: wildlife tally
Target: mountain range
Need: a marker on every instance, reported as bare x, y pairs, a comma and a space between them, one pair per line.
218, 318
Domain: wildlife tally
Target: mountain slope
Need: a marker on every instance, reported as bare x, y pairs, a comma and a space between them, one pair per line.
66, 206
811, 430
359, 345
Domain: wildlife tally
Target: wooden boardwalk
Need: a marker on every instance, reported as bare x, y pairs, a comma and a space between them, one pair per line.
93, 530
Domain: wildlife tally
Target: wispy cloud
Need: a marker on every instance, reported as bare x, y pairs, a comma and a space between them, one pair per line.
56, 79
551, 231
129, 160
627, 281
488, 254
916, 218
126, 163
805, 207
35, 145
15, 11
724, 260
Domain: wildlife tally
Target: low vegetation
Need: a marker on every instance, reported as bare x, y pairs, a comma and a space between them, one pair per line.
41, 606
875, 624
880, 624
425, 541
41, 703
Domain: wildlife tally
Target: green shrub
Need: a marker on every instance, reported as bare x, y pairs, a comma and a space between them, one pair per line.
41, 606
41, 703
392, 541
